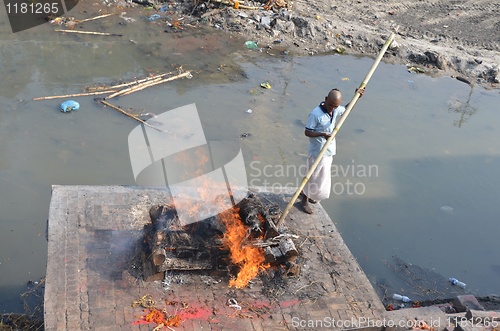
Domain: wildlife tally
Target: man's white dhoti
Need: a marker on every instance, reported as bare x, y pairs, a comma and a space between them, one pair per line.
318, 187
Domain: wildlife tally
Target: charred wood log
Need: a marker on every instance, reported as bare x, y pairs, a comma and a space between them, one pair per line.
288, 247
259, 217
290, 269
273, 254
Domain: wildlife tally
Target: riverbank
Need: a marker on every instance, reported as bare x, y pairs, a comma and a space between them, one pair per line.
457, 38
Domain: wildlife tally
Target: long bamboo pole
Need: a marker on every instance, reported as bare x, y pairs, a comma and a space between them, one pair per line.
165, 80
336, 129
94, 18
129, 115
127, 84
74, 95
90, 32
144, 85
132, 88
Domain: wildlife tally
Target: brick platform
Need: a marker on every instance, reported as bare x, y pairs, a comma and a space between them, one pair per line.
94, 233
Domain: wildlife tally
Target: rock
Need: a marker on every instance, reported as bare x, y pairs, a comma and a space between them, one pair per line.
496, 74
441, 62
300, 22
437, 59
480, 316
431, 56
466, 302
283, 26
286, 15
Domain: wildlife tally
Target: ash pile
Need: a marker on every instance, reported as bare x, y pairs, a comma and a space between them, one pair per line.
244, 234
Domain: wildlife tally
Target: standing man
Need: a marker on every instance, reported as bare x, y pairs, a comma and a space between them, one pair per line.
319, 128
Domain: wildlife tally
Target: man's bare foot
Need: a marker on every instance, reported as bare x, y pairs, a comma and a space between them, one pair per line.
303, 196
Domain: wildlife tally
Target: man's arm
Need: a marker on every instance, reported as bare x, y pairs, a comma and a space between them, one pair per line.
313, 134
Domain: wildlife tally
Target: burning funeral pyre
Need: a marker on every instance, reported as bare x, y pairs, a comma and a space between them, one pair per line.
242, 240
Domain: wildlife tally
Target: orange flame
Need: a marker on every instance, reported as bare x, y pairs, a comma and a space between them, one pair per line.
249, 259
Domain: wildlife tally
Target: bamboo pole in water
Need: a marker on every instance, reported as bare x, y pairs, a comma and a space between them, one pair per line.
90, 32
94, 18
129, 115
336, 129
74, 95
147, 84
127, 84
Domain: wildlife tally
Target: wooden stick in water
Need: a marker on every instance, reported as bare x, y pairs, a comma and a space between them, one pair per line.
186, 74
94, 18
74, 95
135, 82
148, 84
129, 115
90, 32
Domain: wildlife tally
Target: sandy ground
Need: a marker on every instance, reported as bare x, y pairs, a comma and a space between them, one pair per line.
459, 38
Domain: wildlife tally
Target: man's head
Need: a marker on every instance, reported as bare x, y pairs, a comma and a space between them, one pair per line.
333, 100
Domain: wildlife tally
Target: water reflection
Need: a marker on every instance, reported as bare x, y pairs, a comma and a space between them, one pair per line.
463, 108
425, 159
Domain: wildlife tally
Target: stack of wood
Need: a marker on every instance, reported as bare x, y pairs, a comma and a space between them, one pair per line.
279, 249
199, 246
175, 247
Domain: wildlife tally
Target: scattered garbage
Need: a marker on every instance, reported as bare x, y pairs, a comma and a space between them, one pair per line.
265, 21
233, 304
154, 17
266, 85
417, 70
340, 50
245, 135
69, 105
400, 297
251, 44
463, 80
345, 78
458, 283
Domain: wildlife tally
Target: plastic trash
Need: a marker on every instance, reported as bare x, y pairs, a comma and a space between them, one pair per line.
400, 297
248, 111
265, 21
251, 44
446, 209
154, 17
164, 9
458, 283
265, 85
69, 105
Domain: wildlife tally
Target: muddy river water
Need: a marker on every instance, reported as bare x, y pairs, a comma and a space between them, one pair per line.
416, 175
